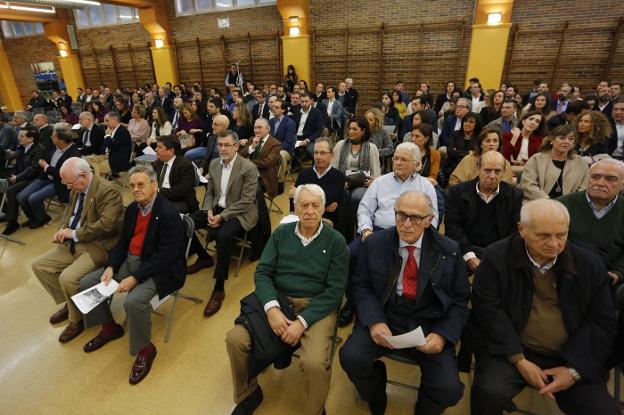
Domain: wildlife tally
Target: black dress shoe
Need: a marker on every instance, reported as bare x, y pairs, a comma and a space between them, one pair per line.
11, 227
346, 315
101, 339
26, 223
35, 225
378, 401
199, 264
60, 316
141, 367
71, 331
248, 405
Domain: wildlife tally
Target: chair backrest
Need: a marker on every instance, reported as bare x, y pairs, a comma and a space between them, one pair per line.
189, 230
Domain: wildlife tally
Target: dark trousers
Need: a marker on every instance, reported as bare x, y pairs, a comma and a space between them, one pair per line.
12, 205
440, 386
224, 237
497, 381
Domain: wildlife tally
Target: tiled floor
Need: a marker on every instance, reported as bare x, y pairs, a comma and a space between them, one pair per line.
191, 373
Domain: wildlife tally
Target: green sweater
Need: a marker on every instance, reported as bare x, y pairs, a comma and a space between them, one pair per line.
318, 271
607, 233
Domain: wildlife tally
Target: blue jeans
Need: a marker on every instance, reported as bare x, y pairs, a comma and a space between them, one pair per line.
32, 197
196, 153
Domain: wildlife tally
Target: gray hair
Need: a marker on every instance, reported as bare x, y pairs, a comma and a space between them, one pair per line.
87, 114
543, 205
467, 101
412, 148
312, 188
43, 117
114, 114
325, 140
64, 131
264, 122
415, 193
614, 162
148, 170
21, 115
76, 165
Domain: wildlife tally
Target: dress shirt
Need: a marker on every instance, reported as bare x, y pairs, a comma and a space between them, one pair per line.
86, 137
619, 149
261, 144
226, 171
330, 104
377, 205
542, 269
58, 153
169, 164
600, 213
487, 199
404, 252
320, 175
71, 219
458, 122
302, 121
278, 121
147, 209
305, 242
523, 154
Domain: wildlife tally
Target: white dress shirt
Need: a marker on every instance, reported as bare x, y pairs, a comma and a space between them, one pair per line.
330, 104
302, 121
165, 182
226, 171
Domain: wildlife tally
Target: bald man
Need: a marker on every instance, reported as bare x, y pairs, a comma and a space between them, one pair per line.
44, 129
483, 210
544, 312
89, 229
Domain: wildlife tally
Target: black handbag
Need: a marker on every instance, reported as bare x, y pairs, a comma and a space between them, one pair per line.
356, 180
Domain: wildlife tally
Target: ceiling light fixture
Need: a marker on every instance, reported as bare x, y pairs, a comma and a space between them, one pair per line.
32, 9
495, 18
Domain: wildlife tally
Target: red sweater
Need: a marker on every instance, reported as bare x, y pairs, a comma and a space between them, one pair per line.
140, 228
535, 141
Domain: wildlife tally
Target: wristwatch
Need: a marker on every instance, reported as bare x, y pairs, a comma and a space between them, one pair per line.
575, 374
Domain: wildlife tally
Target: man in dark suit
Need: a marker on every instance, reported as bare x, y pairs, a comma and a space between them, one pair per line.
230, 208
408, 276
91, 136
263, 150
294, 105
482, 211
283, 128
148, 260
334, 111
176, 175
350, 99
27, 169
49, 182
35, 101
118, 145
81, 98
453, 123
261, 108
320, 92
309, 124
44, 131
569, 115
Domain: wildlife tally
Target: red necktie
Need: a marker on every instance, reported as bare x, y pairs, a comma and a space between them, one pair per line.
410, 276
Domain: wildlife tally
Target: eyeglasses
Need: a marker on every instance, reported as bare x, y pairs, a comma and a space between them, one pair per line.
415, 219
461, 106
321, 153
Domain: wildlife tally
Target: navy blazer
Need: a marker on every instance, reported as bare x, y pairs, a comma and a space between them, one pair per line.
60, 190
96, 139
163, 256
265, 111
313, 126
447, 130
441, 266
119, 149
286, 133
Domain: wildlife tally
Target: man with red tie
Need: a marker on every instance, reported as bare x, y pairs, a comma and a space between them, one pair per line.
427, 286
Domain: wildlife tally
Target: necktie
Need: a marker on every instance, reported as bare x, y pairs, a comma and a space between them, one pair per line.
277, 123
75, 221
559, 107
410, 276
260, 108
175, 119
257, 150
86, 141
163, 172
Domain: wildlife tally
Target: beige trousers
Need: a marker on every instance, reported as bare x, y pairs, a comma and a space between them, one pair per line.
60, 272
314, 360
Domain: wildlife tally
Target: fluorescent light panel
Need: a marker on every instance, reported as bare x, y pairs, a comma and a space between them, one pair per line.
89, 2
32, 9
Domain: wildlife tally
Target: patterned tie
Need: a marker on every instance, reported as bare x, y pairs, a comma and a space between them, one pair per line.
256, 153
163, 173
410, 276
75, 221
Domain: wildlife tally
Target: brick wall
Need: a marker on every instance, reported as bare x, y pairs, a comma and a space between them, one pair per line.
419, 42
24, 51
585, 47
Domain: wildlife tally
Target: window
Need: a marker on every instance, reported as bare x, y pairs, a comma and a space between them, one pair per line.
186, 7
19, 29
105, 15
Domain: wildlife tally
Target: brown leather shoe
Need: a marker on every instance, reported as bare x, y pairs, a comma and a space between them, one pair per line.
71, 331
141, 368
60, 316
199, 265
214, 304
100, 340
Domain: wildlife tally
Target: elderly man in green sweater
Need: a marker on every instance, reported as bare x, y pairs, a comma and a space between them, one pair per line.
308, 262
597, 219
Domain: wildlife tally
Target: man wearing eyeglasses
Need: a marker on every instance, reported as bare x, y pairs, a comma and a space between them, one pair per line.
376, 209
408, 276
453, 122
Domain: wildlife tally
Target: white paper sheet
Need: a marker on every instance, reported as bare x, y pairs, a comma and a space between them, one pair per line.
149, 150
414, 338
155, 302
289, 219
298, 143
389, 128
90, 298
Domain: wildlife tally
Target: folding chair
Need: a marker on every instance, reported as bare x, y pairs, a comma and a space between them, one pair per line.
189, 228
55, 201
242, 243
4, 186
273, 207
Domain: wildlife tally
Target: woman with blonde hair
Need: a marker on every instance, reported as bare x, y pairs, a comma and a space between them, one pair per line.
379, 136
242, 122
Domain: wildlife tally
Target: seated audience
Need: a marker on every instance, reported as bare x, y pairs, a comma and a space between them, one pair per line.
379, 136
594, 131
335, 111
263, 150
90, 138
49, 183
492, 111
358, 159
616, 142
454, 122
545, 315
189, 128
508, 119
89, 229
304, 264
420, 117
391, 114
160, 125
118, 147
309, 124
220, 123
430, 157
26, 170
143, 266
139, 128
121, 106
392, 297
488, 140
568, 116
482, 211
44, 130
242, 124
67, 115
99, 111
176, 175
230, 208
398, 103
540, 105
283, 128
461, 142
524, 140
556, 170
